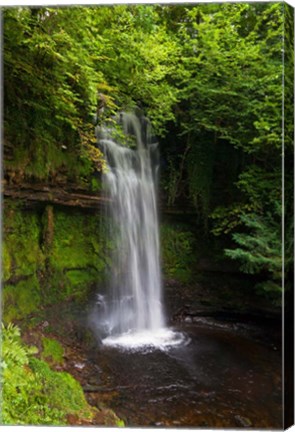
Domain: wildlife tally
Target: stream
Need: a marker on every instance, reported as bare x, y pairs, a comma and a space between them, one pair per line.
215, 378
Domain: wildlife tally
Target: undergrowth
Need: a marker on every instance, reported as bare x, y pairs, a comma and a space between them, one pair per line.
177, 247
32, 393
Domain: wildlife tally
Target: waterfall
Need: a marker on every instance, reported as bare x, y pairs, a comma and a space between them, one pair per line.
134, 302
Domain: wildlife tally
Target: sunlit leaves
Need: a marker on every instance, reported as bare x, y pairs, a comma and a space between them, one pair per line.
50, 87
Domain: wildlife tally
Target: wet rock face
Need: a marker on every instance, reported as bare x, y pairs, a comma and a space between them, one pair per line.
221, 295
50, 255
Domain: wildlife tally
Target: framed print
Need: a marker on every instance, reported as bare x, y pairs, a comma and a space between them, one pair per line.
148, 215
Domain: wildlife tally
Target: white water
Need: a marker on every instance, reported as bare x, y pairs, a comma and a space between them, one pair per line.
133, 314
162, 338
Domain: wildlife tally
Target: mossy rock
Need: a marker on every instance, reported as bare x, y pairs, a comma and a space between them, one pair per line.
52, 351
23, 254
72, 246
21, 299
65, 262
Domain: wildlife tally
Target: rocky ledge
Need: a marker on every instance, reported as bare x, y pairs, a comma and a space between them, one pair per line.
71, 195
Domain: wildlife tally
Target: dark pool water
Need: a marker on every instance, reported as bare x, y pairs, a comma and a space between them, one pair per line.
218, 378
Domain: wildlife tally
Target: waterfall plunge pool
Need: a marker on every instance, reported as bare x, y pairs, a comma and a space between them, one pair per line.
149, 374
226, 373
215, 378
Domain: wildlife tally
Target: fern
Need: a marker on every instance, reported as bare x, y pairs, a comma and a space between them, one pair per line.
35, 395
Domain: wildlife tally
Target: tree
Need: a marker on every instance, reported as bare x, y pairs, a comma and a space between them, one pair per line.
209, 76
229, 127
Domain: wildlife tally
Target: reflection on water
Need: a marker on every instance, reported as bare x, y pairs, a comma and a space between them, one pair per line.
218, 379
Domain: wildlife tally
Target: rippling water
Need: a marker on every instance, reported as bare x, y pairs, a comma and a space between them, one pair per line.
215, 378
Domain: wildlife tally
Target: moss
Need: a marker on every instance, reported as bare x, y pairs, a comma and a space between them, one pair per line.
77, 260
50, 256
79, 280
21, 299
32, 162
21, 242
52, 350
72, 246
177, 245
62, 390
6, 263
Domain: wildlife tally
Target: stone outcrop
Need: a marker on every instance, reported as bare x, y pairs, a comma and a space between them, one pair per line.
70, 196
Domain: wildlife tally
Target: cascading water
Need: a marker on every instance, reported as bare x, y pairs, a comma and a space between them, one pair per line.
132, 313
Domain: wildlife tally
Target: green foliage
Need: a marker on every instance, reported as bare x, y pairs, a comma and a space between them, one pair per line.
13, 351
261, 186
58, 63
50, 89
62, 390
23, 401
209, 76
141, 60
230, 106
95, 185
177, 247
227, 219
31, 392
52, 350
228, 65
260, 249
229, 102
